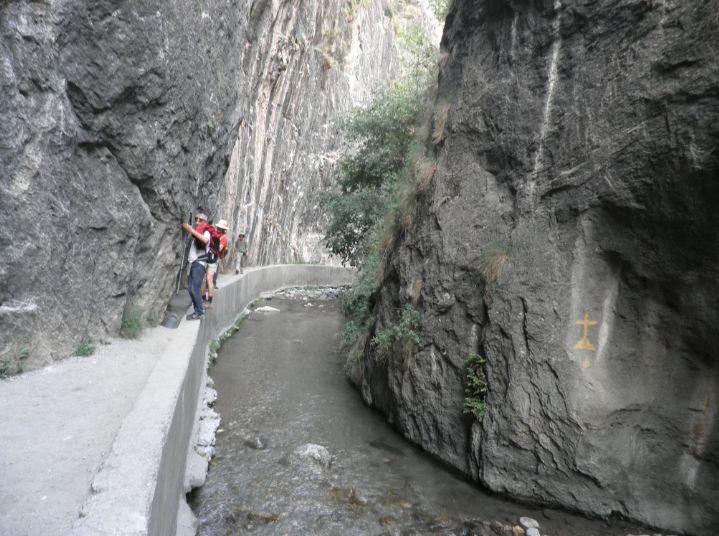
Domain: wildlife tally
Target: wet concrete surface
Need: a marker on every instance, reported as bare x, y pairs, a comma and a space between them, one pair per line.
281, 386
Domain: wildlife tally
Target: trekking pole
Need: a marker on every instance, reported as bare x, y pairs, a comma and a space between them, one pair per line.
184, 255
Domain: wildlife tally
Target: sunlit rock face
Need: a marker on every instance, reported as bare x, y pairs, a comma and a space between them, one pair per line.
569, 238
119, 119
308, 65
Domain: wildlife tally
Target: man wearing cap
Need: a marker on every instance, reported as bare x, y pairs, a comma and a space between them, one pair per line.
241, 250
198, 251
213, 264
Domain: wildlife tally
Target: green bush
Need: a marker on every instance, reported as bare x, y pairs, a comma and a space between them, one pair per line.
440, 8
131, 325
214, 349
406, 332
353, 214
152, 319
475, 387
381, 174
358, 302
87, 348
377, 157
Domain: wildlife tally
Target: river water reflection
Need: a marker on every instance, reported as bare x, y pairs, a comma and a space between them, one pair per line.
281, 386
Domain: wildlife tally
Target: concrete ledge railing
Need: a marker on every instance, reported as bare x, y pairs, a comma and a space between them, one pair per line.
139, 487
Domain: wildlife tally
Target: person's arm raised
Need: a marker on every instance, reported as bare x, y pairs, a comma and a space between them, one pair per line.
201, 237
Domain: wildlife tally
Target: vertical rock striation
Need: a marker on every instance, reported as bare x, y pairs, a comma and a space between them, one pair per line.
121, 118
306, 65
570, 240
115, 124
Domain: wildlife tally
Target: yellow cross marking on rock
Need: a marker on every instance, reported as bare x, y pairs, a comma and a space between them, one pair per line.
584, 343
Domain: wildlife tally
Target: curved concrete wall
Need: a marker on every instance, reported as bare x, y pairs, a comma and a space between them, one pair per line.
140, 484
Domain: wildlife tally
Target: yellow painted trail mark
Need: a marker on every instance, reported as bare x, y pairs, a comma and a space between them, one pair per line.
584, 343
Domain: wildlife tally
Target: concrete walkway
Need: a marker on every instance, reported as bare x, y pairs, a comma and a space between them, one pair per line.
87, 444
59, 423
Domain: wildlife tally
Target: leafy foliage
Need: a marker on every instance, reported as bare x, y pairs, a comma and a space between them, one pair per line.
353, 216
213, 351
406, 332
152, 319
87, 348
381, 173
379, 138
131, 325
475, 387
357, 304
383, 132
440, 8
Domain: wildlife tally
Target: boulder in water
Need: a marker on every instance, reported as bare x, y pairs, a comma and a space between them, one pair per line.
317, 455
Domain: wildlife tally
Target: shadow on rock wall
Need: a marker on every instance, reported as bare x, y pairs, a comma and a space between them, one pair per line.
579, 158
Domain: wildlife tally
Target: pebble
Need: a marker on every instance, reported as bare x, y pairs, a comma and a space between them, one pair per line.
528, 523
315, 453
255, 443
533, 532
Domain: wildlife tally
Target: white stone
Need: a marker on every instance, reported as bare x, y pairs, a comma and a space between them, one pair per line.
267, 309
317, 453
528, 523
209, 396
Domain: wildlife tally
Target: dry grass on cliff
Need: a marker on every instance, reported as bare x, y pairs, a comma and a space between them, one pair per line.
493, 263
423, 169
440, 123
415, 291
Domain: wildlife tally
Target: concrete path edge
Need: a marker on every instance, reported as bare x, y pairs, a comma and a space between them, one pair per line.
139, 488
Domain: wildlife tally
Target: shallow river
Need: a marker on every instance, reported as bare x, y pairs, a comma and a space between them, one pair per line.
281, 386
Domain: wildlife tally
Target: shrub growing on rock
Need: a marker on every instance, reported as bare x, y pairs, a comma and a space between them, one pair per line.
475, 386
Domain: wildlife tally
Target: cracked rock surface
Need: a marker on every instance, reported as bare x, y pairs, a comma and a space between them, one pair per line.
568, 239
119, 119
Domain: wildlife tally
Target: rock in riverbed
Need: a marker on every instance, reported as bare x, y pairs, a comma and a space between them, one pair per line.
312, 455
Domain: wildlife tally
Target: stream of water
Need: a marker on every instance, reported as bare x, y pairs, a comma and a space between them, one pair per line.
283, 399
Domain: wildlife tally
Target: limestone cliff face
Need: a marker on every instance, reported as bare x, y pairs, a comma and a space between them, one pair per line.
306, 67
121, 118
569, 238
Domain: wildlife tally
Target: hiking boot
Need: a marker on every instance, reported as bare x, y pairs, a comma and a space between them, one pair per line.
195, 316
236, 271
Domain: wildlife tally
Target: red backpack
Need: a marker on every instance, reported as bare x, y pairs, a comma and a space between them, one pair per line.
214, 250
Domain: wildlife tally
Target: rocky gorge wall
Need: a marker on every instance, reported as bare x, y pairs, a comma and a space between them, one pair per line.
119, 119
569, 240
308, 67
